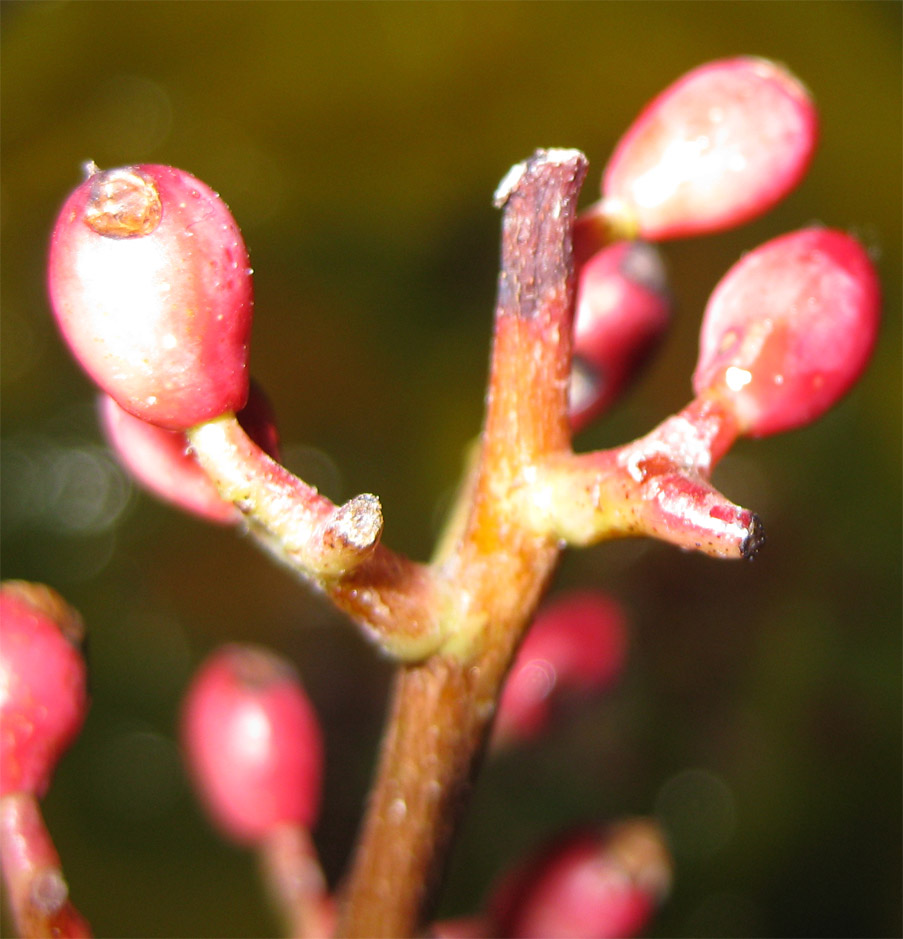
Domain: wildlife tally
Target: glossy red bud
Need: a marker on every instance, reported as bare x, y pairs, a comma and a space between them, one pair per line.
253, 743
43, 684
589, 884
575, 647
789, 329
151, 286
623, 309
161, 461
720, 146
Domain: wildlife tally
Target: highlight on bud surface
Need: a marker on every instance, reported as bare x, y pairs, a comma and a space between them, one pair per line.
150, 284
575, 647
623, 308
43, 684
789, 329
720, 146
161, 461
253, 743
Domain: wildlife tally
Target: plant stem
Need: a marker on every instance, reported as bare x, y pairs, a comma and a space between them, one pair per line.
36, 891
297, 887
493, 577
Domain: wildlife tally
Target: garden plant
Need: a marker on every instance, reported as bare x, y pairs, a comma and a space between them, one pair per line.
151, 286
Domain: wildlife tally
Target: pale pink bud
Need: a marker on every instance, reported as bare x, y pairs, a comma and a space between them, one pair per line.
43, 684
575, 647
789, 329
587, 885
253, 743
720, 146
623, 309
161, 461
151, 287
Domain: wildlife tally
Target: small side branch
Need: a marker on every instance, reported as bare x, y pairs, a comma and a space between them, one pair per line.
656, 486
335, 548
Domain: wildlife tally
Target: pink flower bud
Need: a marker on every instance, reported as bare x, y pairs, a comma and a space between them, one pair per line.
587, 885
151, 287
720, 146
623, 308
575, 647
253, 743
161, 461
789, 329
43, 684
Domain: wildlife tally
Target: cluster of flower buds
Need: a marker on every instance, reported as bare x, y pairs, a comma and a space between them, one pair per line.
150, 282
717, 148
43, 703
151, 286
786, 333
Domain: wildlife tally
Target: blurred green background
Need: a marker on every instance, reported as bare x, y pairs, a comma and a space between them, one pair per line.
358, 145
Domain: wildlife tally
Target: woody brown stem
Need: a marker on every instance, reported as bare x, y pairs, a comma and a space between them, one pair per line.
492, 578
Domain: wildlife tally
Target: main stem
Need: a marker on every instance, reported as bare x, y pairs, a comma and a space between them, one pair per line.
493, 576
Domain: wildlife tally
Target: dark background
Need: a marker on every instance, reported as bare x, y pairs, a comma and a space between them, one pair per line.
358, 145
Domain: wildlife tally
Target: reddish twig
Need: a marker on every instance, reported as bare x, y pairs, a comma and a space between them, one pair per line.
495, 573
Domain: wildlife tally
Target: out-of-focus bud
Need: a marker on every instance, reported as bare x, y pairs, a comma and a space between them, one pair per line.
253, 743
623, 309
162, 462
575, 648
789, 329
589, 884
43, 684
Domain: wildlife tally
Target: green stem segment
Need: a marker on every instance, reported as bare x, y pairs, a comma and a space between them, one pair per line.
337, 548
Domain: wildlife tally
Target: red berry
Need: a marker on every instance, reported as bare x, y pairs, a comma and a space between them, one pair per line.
43, 684
151, 286
253, 743
587, 885
789, 329
162, 462
575, 647
720, 146
623, 308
